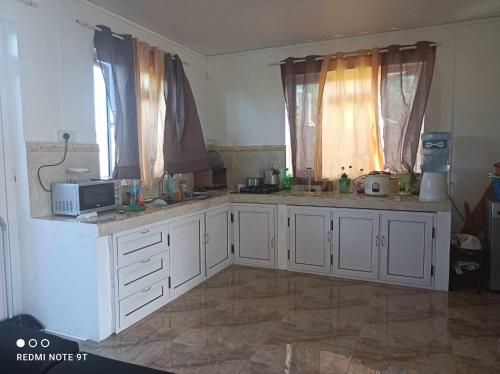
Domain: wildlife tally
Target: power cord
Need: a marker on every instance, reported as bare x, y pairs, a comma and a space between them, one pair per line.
66, 138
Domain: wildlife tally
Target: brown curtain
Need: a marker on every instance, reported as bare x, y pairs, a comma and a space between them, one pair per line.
184, 147
348, 126
300, 86
406, 77
149, 78
116, 59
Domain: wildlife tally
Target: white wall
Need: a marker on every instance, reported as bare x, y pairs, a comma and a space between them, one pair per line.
246, 105
54, 68
56, 56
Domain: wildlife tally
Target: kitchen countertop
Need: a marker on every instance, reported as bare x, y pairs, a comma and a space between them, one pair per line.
114, 222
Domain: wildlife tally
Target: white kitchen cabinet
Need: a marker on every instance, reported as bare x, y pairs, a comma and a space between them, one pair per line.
406, 248
217, 239
254, 234
187, 253
354, 245
309, 239
140, 273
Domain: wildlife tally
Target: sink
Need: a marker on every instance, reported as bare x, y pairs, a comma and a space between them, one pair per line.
195, 196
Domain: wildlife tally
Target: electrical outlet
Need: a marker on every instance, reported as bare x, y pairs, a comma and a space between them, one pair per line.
60, 136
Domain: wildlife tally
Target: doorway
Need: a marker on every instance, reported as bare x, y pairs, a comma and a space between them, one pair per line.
11, 153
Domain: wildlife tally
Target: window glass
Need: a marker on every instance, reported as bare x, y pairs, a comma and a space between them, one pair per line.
104, 124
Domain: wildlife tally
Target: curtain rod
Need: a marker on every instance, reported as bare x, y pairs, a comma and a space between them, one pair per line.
95, 28
350, 54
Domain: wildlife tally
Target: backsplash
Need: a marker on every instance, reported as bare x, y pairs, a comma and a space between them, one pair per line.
38, 153
250, 161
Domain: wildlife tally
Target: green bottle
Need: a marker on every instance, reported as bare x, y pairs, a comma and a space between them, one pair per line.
344, 182
286, 182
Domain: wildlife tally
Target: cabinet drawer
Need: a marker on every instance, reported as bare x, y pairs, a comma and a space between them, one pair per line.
139, 275
142, 303
139, 245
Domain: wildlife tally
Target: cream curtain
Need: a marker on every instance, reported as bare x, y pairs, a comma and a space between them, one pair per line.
149, 77
348, 115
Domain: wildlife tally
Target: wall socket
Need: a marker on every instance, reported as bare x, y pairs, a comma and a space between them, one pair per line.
72, 136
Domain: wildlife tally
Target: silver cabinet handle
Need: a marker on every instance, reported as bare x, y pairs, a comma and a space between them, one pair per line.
377, 240
146, 289
329, 236
146, 260
272, 242
382, 242
144, 231
208, 238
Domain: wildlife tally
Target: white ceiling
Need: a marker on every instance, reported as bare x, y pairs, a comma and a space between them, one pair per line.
214, 27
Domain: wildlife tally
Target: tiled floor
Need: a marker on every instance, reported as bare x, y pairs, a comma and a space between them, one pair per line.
248, 320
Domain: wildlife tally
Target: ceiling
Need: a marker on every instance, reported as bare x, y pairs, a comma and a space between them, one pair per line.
214, 27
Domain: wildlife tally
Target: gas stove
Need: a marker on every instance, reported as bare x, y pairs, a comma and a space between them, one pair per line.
263, 189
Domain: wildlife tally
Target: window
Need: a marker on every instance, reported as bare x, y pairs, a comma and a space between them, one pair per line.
104, 123
345, 99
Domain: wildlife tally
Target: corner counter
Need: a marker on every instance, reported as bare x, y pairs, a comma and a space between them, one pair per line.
112, 223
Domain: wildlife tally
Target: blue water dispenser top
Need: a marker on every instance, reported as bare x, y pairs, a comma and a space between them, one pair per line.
436, 150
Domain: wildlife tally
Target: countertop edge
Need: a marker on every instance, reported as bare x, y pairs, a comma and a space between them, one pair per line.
356, 202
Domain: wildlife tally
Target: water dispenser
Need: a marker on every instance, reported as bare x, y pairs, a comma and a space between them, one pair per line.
436, 151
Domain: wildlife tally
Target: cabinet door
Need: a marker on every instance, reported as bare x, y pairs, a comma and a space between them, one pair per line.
309, 238
217, 248
354, 246
406, 247
254, 242
187, 255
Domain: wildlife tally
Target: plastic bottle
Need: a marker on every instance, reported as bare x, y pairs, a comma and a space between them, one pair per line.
135, 190
171, 186
286, 182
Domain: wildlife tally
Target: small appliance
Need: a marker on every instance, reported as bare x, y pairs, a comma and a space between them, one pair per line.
377, 184
74, 199
436, 147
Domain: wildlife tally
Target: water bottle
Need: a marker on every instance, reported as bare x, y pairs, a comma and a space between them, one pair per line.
135, 192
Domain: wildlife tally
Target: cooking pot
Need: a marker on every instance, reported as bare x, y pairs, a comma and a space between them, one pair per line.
254, 182
272, 177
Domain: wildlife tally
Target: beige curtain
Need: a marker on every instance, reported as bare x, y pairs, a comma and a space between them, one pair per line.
348, 117
149, 77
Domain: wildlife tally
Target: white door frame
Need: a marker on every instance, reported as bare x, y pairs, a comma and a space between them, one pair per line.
11, 135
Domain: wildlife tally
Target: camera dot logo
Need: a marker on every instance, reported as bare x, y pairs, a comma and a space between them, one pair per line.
20, 343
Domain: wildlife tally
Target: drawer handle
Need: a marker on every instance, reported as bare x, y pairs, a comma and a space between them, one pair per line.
146, 289
144, 231
382, 242
146, 260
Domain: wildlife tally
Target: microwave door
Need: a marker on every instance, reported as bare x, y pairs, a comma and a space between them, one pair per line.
97, 198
